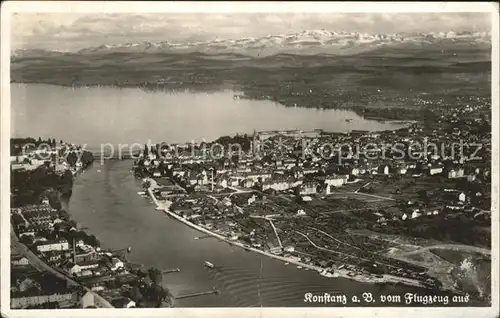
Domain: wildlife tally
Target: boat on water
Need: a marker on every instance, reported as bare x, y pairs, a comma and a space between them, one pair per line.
98, 170
299, 267
287, 263
197, 238
209, 265
141, 193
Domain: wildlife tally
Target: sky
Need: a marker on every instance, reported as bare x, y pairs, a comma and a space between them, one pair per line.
73, 31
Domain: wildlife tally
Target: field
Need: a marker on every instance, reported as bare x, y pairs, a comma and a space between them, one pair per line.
453, 264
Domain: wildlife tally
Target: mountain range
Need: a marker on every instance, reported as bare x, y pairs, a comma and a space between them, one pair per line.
302, 43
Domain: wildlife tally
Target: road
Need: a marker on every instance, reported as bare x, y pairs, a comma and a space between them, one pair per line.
454, 247
327, 250
328, 235
362, 187
345, 254
372, 195
275, 232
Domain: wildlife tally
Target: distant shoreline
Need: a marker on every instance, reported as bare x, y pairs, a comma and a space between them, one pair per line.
383, 114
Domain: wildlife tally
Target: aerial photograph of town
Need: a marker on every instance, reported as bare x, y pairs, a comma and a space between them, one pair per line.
162, 160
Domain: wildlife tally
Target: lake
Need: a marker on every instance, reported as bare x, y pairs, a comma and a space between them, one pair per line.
101, 115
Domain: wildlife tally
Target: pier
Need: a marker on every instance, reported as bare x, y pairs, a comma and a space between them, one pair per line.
119, 155
210, 292
168, 271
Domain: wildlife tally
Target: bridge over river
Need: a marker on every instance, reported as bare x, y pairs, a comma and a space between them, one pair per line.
124, 154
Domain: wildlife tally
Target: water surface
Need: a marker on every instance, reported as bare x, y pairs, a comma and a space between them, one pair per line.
100, 115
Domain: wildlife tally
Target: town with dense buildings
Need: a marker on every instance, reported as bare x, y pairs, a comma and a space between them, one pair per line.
54, 263
372, 206
362, 205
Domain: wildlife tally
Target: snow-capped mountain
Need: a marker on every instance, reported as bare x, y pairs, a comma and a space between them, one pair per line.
313, 42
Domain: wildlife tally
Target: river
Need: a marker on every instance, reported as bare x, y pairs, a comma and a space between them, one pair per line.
105, 197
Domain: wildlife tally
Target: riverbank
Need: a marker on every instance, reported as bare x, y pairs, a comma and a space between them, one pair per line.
384, 279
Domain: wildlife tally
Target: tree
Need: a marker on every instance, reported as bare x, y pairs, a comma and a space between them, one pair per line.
54, 200
17, 219
155, 275
26, 240
92, 240
135, 294
72, 158
87, 158
422, 194
57, 227
142, 272
63, 215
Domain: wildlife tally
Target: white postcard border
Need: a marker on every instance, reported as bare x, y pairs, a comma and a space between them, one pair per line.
220, 7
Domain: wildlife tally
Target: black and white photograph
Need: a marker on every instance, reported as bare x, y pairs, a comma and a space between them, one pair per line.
173, 155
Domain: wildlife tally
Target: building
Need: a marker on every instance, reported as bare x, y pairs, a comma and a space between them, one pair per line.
19, 261
25, 302
335, 181
275, 250
308, 188
435, 170
87, 257
27, 284
123, 302
355, 171
462, 197
116, 264
61, 245
383, 169
279, 185
401, 170
53, 256
222, 181
26, 232
258, 176
455, 173
471, 177
248, 183
415, 214
87, 300
72, 268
